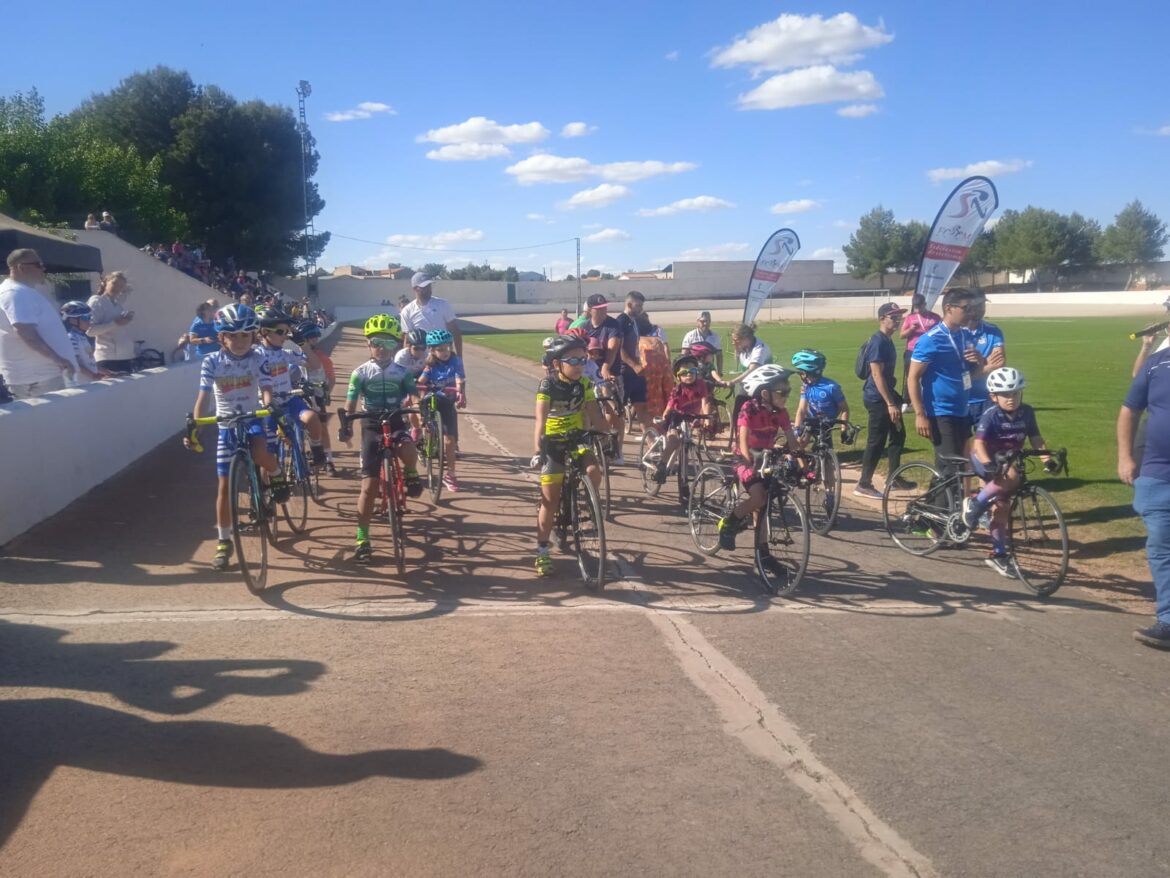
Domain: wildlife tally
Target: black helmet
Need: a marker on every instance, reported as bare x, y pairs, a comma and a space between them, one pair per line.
275, 317
417, 338
561, 345
686, 360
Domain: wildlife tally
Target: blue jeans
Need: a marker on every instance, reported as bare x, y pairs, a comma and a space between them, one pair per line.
1152, 501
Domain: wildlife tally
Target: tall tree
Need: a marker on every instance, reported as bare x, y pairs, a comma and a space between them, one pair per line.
435, 269
981, 258
142, 109
1135, 238
1041, 241
910, 241
872, 248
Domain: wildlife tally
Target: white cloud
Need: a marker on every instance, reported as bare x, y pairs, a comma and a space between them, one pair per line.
591, 226
797, 205
834, 253
468, 152
990, 168
607, 235
844, 224
539, 217
364, 110
730, 250
857, 111
800, 41
548, 168
479, 129
598, 196
699, 202
672, 55
577, 129
438, 241
822, 84
1163, 131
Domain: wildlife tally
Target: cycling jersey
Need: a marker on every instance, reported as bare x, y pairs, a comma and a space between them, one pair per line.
566, 403
83, 350
823, 398
380, 387
237, 381
764, 425
412, 364
1006, 431
688, 399
442, 373
279, 364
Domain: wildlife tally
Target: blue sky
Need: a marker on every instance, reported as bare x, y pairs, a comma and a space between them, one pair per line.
699, 128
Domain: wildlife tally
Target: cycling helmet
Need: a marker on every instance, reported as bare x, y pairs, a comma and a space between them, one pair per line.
236, 318
305, 329
701, 349
808, 360
594, 344
577, 332
80, 310
770, 377
382, 324
1005, 380
686, 360
437, 337
548, 342
560, 346
274, 317
417, 337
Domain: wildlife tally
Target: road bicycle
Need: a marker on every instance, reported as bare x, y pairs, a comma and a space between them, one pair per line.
928, 515
432, 448
601, 443
146, 358
391, 501
252, 509
579, 526
822, 487
781, 537
684, 462
292, 452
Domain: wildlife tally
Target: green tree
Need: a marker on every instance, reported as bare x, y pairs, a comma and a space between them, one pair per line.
435, 269
511, 275
981, 258
872, 248
1033, 239
1135, 238
910, 239
142, 109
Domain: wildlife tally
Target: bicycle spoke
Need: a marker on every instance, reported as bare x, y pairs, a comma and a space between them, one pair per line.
587, 530
712, 497
1039, 540
916, 518
649, 456
249, 523
782, 544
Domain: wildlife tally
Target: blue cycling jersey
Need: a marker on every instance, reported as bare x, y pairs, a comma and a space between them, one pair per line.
823, 398
442, 373
1006, 431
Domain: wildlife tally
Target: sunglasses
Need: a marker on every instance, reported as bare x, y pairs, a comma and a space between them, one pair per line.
384, 343
682, 373
40, 265
275, 331
575, 361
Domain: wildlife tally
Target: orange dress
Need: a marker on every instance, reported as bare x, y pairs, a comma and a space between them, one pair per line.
656, 371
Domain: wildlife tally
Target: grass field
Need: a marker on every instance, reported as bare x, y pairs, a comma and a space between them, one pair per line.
1077, 372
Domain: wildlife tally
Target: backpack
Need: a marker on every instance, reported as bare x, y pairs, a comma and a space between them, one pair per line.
860, 366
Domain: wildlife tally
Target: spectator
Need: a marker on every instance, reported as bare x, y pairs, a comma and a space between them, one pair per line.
630, 367
1150, 391
201, 336
34, 346
108, 223
430, 312
882, 402
604, 329
563, 322
245, 298
702, 333
1147, 342
941, 372
75, 316
916, 324
91, 223
115, 347
989, 342
655, 358
403, 301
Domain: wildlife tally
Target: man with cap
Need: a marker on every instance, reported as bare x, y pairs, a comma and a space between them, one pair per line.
606, 330
882, 401
702, 333
430, 312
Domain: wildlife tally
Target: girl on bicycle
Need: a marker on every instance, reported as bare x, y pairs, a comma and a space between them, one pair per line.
762, 419
1000, 434
821, 398
690, 397
444, 372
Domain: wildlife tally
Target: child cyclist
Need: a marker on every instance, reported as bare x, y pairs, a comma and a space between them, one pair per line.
413, 358
761, 421
444, 372
319, 373
565, 406
690, 397
821, 399
382, 385
235, 375
279, 363
76, 317
1001, 432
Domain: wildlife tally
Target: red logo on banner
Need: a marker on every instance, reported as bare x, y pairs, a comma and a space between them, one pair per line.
935, 250
770, 276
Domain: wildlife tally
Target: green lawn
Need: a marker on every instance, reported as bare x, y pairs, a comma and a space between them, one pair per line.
1077, 372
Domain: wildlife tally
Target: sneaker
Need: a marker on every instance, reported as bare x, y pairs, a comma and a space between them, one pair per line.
1001, 564
728, 528
279, 488
867, 491
450, 483
544, 565
903, 485
1157, 635
970, 513
330, 468
363, 554
414, 486
223, 555
318, 454
618, 458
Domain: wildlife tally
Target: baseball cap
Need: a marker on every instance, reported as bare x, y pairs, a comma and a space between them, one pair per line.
890, 308
597, 301
421, 279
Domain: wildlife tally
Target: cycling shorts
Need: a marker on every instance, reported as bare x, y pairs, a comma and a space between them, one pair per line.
749, 473
371, 449
226, 446
552, 471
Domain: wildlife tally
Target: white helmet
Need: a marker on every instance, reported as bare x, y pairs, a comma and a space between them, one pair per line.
770, 376
548, 342
1005, 380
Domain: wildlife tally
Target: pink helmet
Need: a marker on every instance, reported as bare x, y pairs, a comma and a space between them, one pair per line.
701, 349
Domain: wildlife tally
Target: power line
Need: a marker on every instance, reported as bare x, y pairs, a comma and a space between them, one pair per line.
452, 250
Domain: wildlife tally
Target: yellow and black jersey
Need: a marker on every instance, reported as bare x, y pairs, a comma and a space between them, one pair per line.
566, 403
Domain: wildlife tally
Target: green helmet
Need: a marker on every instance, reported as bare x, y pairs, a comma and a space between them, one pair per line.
383, 324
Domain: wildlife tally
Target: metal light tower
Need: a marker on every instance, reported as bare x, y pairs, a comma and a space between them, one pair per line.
303, 91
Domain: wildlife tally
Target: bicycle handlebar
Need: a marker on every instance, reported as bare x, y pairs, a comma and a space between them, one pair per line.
194, 423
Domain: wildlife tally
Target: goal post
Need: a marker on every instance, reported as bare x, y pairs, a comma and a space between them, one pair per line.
877, 297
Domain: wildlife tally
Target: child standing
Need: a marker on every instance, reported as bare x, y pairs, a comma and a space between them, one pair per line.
76, 318
444, 372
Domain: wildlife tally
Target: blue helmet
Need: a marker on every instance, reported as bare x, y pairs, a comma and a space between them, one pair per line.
236, 318
808, 360
76, 309
437, 337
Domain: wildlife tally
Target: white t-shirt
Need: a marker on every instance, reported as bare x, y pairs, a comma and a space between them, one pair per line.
20, 364
757, 356
435, 314
695, 336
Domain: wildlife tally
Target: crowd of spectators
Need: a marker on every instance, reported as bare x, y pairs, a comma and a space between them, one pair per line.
227, 280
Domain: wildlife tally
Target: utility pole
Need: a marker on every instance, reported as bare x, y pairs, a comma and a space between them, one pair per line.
578, 314
303, 91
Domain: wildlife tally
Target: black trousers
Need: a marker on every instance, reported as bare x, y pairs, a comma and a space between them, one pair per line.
882, 432
949, 435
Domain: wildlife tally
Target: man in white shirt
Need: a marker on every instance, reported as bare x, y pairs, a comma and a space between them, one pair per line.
430, 312
35, 351
702, 333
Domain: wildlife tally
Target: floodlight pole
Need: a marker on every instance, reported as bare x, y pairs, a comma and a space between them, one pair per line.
304, 89
577, 313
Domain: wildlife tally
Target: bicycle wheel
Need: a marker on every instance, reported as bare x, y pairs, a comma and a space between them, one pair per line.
649, 456
296, 508
712, 497
824, 496
587, 530
688, 469
149, 358
249, 523
916, 518
314, 480
603, 464
1039, 540
390, 489
782, 543
436, 453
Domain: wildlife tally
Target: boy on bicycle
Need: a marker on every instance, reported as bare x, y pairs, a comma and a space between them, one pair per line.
689, 398
565, 407
444, 372
279, 363
821, 398
383, 386
762, 419
1000, 434
236, 377
320, 376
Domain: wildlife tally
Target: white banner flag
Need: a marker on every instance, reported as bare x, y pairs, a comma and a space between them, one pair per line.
774, 257
955, 229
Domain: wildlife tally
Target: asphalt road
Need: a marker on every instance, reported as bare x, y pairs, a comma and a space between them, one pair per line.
898, 716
